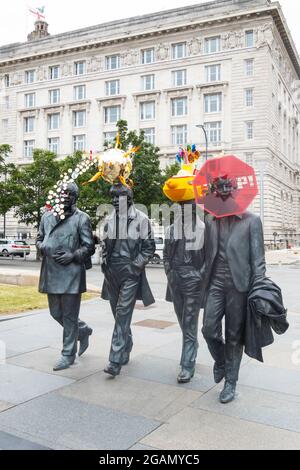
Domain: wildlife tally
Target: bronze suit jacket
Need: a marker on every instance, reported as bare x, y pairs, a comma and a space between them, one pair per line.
141, 244
73, 234
245, 249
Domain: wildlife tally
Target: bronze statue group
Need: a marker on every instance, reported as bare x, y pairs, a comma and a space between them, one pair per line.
218, 265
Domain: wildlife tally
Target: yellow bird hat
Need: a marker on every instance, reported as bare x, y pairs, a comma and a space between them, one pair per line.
180, 187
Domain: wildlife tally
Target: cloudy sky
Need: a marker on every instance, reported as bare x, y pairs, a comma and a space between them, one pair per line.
66, 15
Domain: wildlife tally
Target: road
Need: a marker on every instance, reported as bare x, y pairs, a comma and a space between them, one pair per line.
287, 277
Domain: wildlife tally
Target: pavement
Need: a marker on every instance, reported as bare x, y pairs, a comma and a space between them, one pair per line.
144, 408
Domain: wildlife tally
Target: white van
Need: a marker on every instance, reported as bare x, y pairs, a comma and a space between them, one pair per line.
14, 247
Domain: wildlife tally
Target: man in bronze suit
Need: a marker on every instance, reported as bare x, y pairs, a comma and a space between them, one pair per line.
184, 263
128, 245
234, 259
66, 246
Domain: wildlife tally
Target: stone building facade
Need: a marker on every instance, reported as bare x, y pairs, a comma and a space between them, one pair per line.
228, 64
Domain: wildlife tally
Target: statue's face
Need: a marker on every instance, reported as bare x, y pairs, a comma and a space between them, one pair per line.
121, 193
224, 190
69, 198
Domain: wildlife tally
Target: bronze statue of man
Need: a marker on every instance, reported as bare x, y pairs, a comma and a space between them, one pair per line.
184, 265
127, 245
234, 259
66, 247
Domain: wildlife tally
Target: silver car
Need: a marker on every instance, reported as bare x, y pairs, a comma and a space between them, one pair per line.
14, 247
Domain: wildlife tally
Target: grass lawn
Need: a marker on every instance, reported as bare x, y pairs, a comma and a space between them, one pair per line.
17, 299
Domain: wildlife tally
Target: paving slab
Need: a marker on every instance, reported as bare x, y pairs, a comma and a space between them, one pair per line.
44, 359
270, 378
141, 447
61, 422
282, 356
24, 341
11, 442
5, 406
19, 384
131, 395
275, 409
194, 429
165, 371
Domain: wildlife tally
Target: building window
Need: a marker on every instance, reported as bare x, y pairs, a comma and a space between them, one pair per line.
30, 100
79, 118
249, 38
148, 82
179, 50
6, 80
249, 130
179, 77
249, 67
110, 137
53, 145
213, 73
4, 125
30, 76
148, 56
249, 159
28, 148
149, 134
79, 92
112, 87
249, 97
112, 114
54, 96
112, 62
147, 111
179, 107
29, 124
212, 45
6, 102
179, 135
54, 72
79, 143
213, 103
53, 121
214, 132
79, 67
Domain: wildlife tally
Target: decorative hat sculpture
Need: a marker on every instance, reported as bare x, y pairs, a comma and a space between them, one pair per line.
113, 165
232, 174
180, 188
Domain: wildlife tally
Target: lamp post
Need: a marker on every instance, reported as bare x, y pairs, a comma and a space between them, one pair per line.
201, 126
4, 215
275, 235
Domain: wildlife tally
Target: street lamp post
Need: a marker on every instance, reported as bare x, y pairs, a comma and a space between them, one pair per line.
201, 126
4, 215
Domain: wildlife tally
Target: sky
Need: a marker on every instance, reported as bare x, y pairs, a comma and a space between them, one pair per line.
67, 15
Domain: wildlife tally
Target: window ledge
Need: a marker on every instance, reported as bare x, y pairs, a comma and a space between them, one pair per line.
213, 85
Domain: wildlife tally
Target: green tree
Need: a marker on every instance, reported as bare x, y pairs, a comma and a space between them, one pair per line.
9, 189
146, 175
36, 179
5, 150
91, 195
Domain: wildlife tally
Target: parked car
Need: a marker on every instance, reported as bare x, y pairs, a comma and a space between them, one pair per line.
158, 255
14, 247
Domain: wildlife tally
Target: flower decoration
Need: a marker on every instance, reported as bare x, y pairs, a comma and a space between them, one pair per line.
188, 155
222, 186
55, 199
